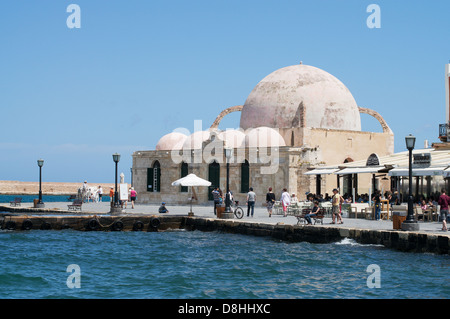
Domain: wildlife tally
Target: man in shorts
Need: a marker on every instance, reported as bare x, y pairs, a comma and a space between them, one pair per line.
336, 201
444, 201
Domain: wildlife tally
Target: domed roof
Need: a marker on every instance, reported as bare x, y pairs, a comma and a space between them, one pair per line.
233, 138
301, 96
171, 141
263, 137
196, 139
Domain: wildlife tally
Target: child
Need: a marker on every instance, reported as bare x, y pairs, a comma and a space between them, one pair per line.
163, 209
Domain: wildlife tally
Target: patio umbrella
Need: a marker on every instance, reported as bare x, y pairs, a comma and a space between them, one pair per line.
190, 181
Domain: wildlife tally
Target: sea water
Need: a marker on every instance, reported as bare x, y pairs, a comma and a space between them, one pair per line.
45, 198
194, 264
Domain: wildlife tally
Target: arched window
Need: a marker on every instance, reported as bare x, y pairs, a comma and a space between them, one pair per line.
154, 178
245, 177
184, 172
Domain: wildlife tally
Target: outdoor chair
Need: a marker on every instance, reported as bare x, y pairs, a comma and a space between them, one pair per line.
76, 205
293, 209
277, 208
418, 213
300, 214
319, 216
16, 202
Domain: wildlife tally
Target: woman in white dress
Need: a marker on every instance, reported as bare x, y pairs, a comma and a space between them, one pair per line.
285, 200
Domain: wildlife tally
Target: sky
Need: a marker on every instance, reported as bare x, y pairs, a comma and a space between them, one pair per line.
136, 70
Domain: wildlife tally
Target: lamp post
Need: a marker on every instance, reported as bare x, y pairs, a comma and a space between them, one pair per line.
116, 207
410, 224
228, 214
40, 204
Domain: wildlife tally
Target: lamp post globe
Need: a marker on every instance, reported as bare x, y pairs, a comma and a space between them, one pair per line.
410, 224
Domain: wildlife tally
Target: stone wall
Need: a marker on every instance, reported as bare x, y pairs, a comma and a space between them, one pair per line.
288, 166
399, 240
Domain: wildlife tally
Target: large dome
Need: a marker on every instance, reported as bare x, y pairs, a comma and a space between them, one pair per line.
301, 96
171, 141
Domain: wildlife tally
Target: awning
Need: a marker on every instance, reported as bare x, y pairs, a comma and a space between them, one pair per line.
360, 170
323, 171
447, 172
425, 171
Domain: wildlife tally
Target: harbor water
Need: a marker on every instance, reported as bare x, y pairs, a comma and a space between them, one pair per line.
193, 264
45, 198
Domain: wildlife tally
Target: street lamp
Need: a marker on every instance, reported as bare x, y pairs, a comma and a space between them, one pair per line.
40, 204
228, 214
116, 207
410, 224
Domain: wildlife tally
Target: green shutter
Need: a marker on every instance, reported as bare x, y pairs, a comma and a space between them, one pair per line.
214, 177
184, 172
245, 177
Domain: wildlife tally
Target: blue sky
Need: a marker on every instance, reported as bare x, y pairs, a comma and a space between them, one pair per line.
139, 69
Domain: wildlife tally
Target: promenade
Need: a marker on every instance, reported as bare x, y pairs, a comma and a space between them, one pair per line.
260, 215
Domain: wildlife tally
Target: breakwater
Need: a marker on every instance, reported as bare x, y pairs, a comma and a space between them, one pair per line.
399, 240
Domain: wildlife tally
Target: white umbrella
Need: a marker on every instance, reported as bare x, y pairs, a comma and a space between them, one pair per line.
191, 180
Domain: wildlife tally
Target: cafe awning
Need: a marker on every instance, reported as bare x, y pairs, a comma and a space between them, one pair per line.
323, 171
360, 170
424, 171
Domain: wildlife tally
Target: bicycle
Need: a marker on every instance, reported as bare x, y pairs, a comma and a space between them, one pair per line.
237, 210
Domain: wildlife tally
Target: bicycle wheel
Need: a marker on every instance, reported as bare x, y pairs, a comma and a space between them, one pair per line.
239, 212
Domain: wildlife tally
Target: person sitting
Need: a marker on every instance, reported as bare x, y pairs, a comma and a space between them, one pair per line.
430, 203
313, 213
423, 205
163, 208
294, 199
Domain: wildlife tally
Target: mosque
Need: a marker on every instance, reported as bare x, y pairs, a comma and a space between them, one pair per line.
297, 118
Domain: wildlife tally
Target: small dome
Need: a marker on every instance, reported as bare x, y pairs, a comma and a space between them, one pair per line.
264, 137
233, 138
301, 96
171, 141
196, 139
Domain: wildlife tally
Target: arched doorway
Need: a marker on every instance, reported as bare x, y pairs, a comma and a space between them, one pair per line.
213, 177
154, 178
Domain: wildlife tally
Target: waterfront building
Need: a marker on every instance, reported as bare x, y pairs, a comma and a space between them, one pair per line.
296, 118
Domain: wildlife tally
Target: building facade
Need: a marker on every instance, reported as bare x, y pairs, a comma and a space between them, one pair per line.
296, 118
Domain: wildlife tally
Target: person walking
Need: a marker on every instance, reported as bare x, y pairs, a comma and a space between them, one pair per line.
336, 202
377, 202
85, 192
444, 201
100, 193
285, 201
251, 199
270, 200
133, 195
111, 196
216, 198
